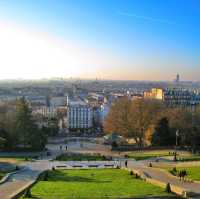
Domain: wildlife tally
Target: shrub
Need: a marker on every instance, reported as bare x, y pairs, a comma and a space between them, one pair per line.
168, 188
150, 164
46, 175
27, 193
131, 173
114, 144
174, 170
137, 176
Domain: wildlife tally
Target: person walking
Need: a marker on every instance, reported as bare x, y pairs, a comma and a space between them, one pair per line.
126, 163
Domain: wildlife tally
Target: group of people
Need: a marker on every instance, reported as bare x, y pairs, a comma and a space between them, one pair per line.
61, 147
182, 174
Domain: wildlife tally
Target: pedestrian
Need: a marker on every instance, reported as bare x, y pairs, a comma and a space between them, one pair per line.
66, 147
60, 147
126, 163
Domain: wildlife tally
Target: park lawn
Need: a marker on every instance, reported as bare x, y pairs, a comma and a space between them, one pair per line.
193, 172
94, 183
13, 160
143, 155
189, 158
2, 174
80, 157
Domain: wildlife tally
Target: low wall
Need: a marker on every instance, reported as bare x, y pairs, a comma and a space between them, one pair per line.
175, 189
136, 148
5, 178
29, 185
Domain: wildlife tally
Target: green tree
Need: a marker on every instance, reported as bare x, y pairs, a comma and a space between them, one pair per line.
162, 135
27, 131
2, 142
24, 122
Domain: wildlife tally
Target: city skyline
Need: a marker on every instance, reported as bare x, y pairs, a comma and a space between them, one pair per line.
132, 40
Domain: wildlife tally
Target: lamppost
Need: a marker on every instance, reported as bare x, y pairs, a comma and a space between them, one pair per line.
175, 153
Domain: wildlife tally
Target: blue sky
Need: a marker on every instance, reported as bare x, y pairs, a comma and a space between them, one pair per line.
108, 39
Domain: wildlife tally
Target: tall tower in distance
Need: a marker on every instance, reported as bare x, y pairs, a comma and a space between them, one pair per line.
177, 80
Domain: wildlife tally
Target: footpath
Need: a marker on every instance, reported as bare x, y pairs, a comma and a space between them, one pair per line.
159, 175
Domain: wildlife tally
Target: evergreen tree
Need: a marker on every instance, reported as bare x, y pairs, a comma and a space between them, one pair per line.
27, 131
24, 123
162, 136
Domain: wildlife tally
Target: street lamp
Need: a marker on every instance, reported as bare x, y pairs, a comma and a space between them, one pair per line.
175, 153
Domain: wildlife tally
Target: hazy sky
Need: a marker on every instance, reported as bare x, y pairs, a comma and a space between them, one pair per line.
107, 39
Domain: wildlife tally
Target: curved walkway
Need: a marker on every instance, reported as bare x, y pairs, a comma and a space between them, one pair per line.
22, 179
165, 177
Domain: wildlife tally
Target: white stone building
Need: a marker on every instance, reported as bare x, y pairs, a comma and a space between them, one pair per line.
79, 116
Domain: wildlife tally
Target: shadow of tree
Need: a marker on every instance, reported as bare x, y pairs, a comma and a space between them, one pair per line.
153, 197
59, 176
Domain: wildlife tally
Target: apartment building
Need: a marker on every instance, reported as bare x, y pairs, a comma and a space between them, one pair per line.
174, 96
79, 116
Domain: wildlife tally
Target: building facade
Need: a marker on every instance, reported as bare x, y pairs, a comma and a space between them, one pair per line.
174, 96
79, 116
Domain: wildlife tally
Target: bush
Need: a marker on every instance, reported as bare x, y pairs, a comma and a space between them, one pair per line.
46, 176
114, 144
137, 176
131, 173
150, 164
174, 170
168, 188
53, 168
26, 158
27, 193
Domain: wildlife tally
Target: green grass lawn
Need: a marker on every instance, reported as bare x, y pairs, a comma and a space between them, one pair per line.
80, 157
14, 160
94, 183
2, 174
143, 155
189, 158
193, 173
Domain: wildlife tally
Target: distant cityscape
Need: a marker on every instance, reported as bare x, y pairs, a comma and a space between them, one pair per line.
84, 104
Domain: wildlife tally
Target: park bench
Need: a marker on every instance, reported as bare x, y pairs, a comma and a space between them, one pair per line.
109, 165
94, 165
77, 166
60, 166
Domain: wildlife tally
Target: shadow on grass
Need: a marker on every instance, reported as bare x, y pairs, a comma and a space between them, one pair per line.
34, 197
153, 197
54, 176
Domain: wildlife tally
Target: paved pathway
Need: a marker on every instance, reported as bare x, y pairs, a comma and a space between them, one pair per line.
163, 176
22, 179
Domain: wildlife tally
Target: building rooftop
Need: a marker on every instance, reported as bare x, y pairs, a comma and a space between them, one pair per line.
77, 103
